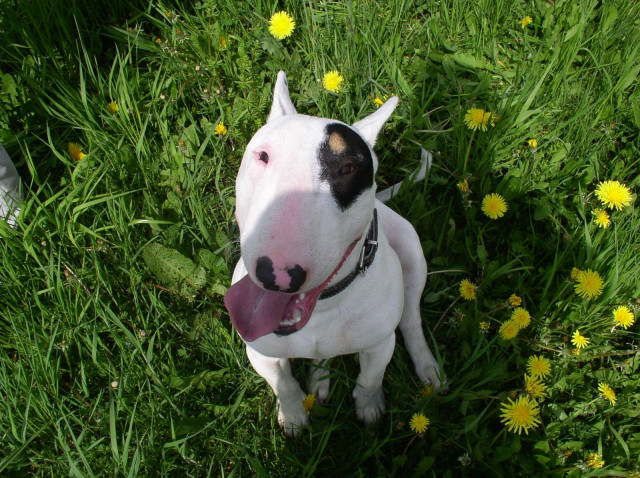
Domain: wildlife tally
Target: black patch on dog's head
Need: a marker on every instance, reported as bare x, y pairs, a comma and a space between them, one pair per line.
346, 163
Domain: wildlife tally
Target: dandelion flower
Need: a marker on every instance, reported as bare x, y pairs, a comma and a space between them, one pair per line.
521, 317
380, 101
623, 317
112, 107
75, 151
426, 390
613, 195
514, 300
509, 330
526, 21
494, 206
594, 461
533, 143
463, 186
580, 341
607, 392
308, 402
419, 423
468, 289
538, 366
521, 414
588, 284
221, 129
484, 326
477, 118
601, 218
534, 387
332, 81
281, 25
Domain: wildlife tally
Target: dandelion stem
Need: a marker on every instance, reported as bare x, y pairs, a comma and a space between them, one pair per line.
466, 156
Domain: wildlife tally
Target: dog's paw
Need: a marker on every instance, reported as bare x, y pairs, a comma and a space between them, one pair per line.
292, 416
319, 383
430, 375
369, 405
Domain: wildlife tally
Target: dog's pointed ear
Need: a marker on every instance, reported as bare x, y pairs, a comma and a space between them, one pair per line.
282, 104
370, 126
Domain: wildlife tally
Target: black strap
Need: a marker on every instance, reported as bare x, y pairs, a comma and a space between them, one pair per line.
367, 254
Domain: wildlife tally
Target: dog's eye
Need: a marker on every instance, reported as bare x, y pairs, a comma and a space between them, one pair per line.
263, 156
346, 169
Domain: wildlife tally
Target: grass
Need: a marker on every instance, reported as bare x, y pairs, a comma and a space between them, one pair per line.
117, 357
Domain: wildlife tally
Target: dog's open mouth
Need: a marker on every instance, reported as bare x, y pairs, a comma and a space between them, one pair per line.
256, 312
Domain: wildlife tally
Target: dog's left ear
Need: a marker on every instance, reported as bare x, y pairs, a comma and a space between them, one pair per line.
282, 104
370, 126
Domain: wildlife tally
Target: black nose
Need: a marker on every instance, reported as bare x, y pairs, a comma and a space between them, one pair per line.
266, 274
298, 276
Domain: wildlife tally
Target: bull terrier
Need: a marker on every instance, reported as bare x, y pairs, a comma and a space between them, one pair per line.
326, 269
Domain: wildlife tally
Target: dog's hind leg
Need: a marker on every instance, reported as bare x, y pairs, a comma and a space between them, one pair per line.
405, 242
277, 372
319, 379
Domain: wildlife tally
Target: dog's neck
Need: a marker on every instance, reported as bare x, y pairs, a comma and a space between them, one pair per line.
358, 261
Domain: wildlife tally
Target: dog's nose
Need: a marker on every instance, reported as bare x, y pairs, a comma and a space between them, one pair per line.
290, 279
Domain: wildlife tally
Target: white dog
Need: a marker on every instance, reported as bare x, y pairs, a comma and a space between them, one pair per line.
326, 269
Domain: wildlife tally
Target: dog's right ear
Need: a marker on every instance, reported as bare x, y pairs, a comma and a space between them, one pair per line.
282, 104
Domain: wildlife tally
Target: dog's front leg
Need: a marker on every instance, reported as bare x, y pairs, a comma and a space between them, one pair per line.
368, 392
277, 372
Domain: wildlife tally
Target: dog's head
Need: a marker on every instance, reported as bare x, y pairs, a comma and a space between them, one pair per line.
305, 194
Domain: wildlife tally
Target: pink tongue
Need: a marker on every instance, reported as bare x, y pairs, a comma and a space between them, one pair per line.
254, 311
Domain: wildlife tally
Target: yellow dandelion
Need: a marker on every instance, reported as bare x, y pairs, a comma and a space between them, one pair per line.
463, 186
538, 366
75, 151
514, 300
484, 326
521, 317
526, 21
580, 341
509, 330
594, 461
281, 25
332, 81
419, 423
221, 129
608, 393
477, 118
521, 414
426, 390
534, 387
112, 107
602, 218
588, 284
308, 402
468, 289
533, 143
623, 317
494, 206
380, 101
613, 195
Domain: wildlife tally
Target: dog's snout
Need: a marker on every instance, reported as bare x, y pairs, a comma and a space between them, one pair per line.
287, 279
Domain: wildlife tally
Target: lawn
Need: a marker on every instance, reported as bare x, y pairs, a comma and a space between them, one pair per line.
117, 356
